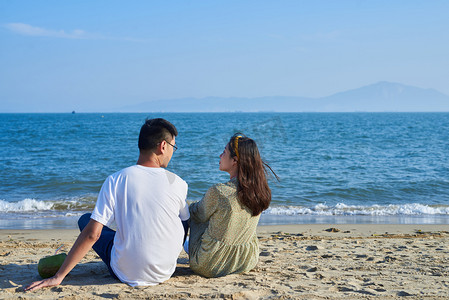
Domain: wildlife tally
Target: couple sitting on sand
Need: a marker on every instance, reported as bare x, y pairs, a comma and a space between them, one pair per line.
148, 205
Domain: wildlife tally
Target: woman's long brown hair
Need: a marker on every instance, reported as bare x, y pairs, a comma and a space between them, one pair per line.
252, 190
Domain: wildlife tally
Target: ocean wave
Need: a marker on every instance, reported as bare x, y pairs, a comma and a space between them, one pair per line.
73, 207
351, 210
26, 205
33, 205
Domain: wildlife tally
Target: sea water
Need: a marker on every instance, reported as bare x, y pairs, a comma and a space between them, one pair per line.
333, 167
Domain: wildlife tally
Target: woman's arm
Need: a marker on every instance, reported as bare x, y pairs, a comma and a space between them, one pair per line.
202, 210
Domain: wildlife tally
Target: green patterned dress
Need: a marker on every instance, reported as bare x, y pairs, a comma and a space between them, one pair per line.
223, 237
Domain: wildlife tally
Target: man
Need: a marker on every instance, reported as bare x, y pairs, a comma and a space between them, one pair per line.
147, 204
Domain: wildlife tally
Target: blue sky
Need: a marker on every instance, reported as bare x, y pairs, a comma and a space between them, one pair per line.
58, 56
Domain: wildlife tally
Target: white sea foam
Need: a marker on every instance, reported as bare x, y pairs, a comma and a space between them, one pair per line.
26, 205
349, 210
75, 207
73, 214
69, 205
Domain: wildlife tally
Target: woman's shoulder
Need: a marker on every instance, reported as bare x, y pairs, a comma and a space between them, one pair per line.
231, 184
225, 188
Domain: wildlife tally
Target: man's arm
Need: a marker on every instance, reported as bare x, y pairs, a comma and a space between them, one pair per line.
87, 238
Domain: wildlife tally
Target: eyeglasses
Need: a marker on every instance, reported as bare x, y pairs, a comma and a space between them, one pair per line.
174, 147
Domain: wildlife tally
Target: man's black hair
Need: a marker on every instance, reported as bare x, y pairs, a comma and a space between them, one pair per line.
154, 131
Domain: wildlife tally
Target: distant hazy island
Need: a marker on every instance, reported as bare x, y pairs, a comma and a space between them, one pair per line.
379, 97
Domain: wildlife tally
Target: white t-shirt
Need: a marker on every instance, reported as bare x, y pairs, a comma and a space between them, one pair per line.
147, 205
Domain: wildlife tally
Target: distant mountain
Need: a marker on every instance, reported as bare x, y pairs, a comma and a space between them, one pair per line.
387, 96
379, 97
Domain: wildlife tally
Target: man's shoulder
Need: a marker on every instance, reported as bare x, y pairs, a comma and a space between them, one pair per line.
137, 171
124, 171
174, 178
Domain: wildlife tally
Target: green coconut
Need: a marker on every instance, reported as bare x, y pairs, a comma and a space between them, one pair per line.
49, 265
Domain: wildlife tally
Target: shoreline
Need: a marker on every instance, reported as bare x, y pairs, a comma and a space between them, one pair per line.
70, 222
302, 261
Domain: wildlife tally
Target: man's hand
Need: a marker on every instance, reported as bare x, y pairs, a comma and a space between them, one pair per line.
83, 244
52, 281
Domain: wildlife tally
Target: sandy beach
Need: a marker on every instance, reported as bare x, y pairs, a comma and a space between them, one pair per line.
351, 261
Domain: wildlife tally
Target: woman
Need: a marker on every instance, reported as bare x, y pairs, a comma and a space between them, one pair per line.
223, 224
